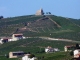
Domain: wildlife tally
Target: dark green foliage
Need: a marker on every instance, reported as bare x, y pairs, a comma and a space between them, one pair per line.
36, 46
31, 55
1, 17
41, 26
77, 46
32, 45
76, 21
71, 53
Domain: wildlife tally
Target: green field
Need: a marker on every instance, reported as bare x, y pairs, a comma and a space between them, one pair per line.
36, 46
46, 56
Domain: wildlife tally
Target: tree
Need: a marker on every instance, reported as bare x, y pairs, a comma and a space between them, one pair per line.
71, 53
25, 24
77, 46
31, 55
49, 12
1, 17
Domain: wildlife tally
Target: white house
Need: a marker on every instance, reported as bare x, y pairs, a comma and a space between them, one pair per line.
16, 37
56, 49
26, 57
77, 53
1, 42
49, 49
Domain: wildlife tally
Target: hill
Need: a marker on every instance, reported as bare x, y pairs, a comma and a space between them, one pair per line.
32, 26
39, 26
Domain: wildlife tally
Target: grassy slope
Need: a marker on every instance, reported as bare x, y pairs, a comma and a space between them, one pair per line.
9, 25
36, 46
31, 45
49, 56
68, 30
76, 21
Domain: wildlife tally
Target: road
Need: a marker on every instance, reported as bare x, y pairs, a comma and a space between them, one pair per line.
55, 39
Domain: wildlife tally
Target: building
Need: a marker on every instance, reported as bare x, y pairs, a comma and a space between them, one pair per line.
40, 12
16, 37
49, 49
4, 40
77, 53
27, 57
1, 42
56, 49
69, 48
16, 54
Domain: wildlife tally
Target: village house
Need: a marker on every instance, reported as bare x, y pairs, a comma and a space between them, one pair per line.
50, 49
68, 48
29, 57
4, 40
56, 49
77, 53
16, 54
14, 37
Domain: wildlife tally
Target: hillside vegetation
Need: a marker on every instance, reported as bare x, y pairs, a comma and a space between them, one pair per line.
36, 46
39, 26
32, 26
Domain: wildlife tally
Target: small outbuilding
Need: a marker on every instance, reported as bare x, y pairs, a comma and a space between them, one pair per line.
77, 53
29, 57
49, 49
69, 48
16, 54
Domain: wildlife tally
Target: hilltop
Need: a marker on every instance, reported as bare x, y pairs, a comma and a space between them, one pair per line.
46, 25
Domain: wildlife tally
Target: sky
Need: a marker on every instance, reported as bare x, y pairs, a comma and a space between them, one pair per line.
64, 8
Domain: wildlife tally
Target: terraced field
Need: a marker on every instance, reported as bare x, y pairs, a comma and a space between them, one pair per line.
32, 26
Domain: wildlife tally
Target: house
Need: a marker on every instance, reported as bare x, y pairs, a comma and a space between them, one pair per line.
56, 49
4, 40
27, 57
69, 48
16, 37
16, 54
1, 42
49, 49
77, 53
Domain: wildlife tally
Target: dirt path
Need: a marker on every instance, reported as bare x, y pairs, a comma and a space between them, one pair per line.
55, 39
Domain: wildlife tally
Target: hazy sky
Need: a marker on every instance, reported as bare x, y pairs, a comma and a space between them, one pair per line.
65, 8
